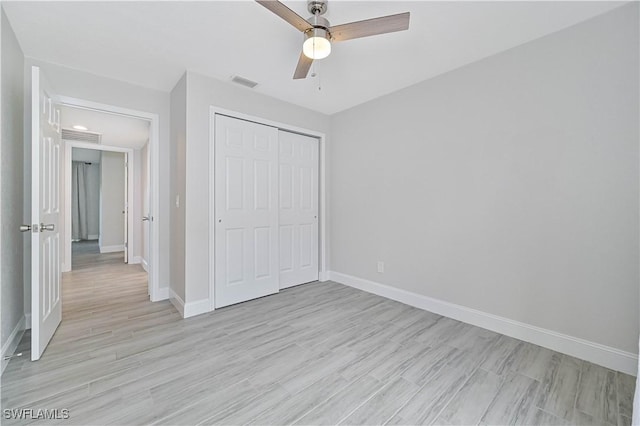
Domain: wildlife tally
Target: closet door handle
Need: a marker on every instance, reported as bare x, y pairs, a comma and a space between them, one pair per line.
145, 218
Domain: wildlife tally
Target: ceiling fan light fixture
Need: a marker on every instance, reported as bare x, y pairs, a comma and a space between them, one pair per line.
317, 44
319, 33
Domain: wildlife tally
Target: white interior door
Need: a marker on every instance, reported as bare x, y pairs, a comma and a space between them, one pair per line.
125, 212
46, 305
246, 210
298, 221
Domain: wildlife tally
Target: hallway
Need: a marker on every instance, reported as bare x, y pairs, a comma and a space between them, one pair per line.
105, 313
100, 283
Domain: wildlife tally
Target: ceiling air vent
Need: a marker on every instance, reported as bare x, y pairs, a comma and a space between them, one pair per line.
82, 136
244, 81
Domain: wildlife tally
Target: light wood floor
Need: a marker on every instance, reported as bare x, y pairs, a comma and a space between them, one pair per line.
320, 353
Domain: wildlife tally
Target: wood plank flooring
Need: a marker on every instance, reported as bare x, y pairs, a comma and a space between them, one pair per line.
320, 353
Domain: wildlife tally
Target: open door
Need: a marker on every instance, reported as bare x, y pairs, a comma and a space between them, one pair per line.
46, 304
125, 212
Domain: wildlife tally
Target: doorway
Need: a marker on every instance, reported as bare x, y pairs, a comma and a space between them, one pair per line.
105, 209
51, 161
110, 188
99, 212
132, 136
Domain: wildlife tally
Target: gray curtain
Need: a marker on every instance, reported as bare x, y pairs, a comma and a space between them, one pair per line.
79, 222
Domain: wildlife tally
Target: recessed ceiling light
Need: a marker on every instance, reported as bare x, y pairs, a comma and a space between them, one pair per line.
78, 127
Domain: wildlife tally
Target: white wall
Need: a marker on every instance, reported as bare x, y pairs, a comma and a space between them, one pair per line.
509, 185
86, 155
201, 93
11, 194
82, 85
112, 201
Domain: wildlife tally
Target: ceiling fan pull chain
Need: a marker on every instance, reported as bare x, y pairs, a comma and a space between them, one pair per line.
316, 73
319, 34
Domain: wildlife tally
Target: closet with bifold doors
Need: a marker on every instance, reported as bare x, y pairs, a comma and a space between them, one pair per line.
265, 210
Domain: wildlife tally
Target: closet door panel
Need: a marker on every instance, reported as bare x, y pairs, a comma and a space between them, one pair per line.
246, 211
298, 219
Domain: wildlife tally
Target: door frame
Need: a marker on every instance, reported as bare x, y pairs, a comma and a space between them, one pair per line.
322, 205
68, 159
154, 190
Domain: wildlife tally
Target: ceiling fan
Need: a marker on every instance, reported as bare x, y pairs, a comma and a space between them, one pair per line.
319, 34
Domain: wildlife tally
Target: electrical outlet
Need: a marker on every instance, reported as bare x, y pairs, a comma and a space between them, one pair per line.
380, 266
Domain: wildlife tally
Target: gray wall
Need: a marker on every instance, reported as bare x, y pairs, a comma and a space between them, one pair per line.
203, 92
112, 199
82, 85
509, 185
11, 178
178, 151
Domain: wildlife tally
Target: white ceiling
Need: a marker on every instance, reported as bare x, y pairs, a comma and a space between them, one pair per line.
87, 155
152, 43
116, 130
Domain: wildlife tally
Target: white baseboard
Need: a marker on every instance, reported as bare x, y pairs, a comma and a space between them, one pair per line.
12, 342
163, 294
323, 276
27, 321
176, 301
111, 249
191, 309
145, 266
93, 237
135, 260
636, 399
596, 353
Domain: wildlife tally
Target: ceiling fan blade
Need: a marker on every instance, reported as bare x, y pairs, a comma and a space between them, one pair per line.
285, 13
369, 27
304, 64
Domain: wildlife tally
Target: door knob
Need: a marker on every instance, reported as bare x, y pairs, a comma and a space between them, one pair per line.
145, 218
49, 227
25, 228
